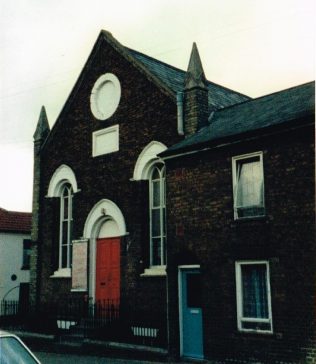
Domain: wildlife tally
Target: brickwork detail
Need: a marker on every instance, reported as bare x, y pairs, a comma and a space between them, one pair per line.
196, 110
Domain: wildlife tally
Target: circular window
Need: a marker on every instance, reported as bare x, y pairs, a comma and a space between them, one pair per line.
105, 96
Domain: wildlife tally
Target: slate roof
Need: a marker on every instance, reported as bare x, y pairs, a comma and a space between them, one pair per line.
168, 78
12, 221
173, 77
278, 109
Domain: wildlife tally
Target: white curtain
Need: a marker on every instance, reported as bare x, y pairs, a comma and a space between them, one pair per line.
249, 184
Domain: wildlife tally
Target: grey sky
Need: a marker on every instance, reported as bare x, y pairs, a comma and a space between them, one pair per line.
253, 46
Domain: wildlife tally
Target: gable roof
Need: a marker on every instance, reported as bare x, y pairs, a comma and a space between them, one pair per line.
13, 221
107, 37
168, 79
281, 109
174, 79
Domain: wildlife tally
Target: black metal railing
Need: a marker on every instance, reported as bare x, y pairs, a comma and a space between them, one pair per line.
9, 308
105, 320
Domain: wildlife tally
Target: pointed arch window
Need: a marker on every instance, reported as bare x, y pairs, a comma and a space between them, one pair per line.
157, 208
65, 226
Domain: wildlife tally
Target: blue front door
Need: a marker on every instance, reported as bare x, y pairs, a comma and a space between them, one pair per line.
191, 334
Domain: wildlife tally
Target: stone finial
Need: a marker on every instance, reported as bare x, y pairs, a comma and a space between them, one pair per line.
195, 76
42, 128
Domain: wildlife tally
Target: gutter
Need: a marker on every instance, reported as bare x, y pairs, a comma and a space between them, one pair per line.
237, 141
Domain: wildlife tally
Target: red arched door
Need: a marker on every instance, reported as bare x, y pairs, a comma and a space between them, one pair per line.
107, 285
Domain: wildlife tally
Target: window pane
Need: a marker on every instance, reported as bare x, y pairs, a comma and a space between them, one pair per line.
26, 253
254, 291
65, 208
156, 193
155, 216
163, 221
155, 173
157, 230
65, 225
65, 233
249, 183
156, 251
26, 258
70, 242
264, 326
64, 256
250, 211
194, 290
164, 253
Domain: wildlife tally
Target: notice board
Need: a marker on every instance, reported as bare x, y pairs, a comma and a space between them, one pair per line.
80, 265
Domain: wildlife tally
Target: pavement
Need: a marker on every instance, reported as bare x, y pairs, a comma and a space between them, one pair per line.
51, 351
57, 358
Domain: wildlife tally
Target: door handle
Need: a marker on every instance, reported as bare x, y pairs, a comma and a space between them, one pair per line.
102, 283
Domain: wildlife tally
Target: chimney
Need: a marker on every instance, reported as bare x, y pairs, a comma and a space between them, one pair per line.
196, 110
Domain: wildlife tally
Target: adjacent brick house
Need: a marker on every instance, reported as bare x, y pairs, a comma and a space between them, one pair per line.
15, 248
136, 175
241, 227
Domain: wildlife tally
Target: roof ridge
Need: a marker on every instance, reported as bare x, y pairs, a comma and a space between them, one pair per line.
155, 59
20, 212
14, 211
229, 89
184, 72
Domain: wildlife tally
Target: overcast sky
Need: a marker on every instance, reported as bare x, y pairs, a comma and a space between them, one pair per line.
253, 46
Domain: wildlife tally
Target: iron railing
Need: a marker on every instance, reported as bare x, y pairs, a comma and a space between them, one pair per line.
107, 320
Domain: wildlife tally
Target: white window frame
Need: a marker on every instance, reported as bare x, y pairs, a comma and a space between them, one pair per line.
68, 221
235, 182
239, 298
63, 175
162, 215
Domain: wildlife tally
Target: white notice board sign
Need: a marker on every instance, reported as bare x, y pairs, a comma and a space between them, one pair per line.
80, 265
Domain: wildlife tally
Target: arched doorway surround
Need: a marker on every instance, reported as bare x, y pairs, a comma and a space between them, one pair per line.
105, 221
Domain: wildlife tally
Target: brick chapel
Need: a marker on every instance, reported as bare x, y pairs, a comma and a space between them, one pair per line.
184, 201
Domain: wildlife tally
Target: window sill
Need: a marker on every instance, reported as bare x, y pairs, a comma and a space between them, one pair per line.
255, 332
62, 273
251, 218
159, 271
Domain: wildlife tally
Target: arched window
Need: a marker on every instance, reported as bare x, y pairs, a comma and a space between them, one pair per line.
62, 186
157, 211
65, 226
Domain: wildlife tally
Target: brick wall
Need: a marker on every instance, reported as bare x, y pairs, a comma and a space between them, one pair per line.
196, 110
144, 114
202, 230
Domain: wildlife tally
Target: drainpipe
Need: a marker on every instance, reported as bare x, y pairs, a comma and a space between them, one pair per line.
180, 113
